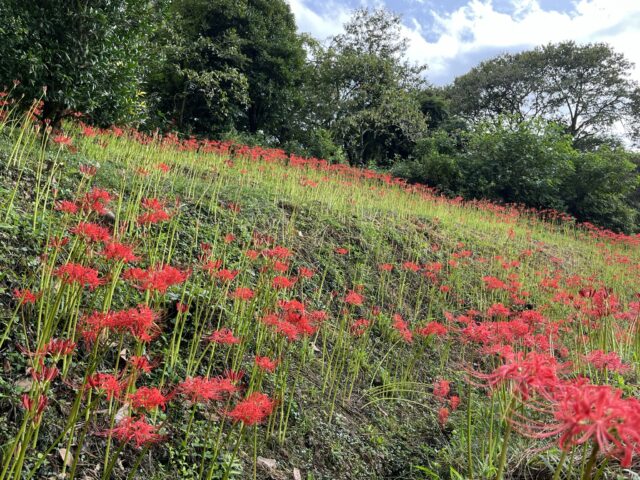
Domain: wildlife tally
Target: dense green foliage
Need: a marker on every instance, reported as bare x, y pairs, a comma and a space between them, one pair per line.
228, 69
87, 56
585, 88
529, 162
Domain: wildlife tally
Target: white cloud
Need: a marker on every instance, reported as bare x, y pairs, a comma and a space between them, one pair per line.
591, 20
478, 27
321, 26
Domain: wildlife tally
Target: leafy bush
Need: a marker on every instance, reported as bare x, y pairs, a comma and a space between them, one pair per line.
527, 163
533, 163
433, 163
87, 56
600, 189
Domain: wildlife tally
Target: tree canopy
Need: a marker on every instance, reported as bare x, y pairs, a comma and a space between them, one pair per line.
585, 88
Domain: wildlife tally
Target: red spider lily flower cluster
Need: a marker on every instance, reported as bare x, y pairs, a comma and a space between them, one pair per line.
74, 273
91, 232
252, 410
139, 321
148, 398
135, 431
223, 336
265, 363
106, 383
202, 390
96, 201
158, 279
154, 212
293, 321
119, 252
354, 298
585, 413
25, 296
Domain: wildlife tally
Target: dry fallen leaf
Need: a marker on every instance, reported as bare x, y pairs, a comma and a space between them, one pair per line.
296, 474
24, 384
65, 456
122, 413
267, 462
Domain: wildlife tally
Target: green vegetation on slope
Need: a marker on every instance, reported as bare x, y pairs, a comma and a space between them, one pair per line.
403, 295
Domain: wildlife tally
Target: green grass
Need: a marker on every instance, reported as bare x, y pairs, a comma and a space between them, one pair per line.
347, 406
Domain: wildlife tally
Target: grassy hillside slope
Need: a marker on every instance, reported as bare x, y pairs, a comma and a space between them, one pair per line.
167, 266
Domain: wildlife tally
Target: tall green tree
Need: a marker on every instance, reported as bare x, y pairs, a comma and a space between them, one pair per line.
364, 91
87, 55
585, 88
230, 64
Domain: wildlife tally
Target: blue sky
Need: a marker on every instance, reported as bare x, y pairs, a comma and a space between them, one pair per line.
451, 36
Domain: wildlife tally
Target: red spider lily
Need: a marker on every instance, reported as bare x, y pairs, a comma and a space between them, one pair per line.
71, 273
583, 413
291, 305
106, 383
305, 272
67, 206
155, 216
43, 373
96, 201
139, 321
293, 322
234, 376
410, 266
227, 275
58, 242
443, 416
62, 140
140, 363
243, 293
229, 237
402, 328
119, 252
36, 409
441, 389
136, 431
212, 266
533, 373
432, 328
201, 390
252, 254
163, 167
156, 279
498, 310
88, 170
252, 410
354, 298
148, 398
155, 212
341, 251
277, 252
265, 363
281, 282
385, 267
281, 267
25, 296
359, 327
223, 336
609, 361
454, 402
493, 283
91, 232
57, 347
